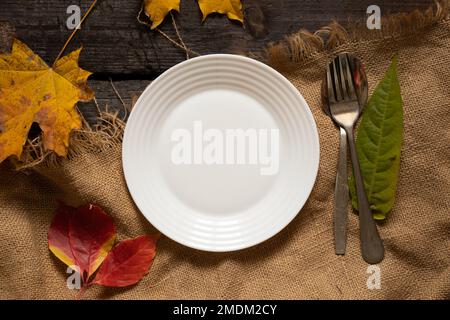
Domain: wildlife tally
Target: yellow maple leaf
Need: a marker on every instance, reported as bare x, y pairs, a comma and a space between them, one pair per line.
31, 91
232, 8
157, 10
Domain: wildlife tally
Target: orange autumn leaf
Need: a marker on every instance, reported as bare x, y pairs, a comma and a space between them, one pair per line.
157, 10
232, 8
127, 263
81, 237
31, 91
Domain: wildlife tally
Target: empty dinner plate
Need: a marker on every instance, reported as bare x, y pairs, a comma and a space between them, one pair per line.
220, 152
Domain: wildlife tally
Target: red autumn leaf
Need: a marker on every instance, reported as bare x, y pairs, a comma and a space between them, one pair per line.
128, 262
81, 237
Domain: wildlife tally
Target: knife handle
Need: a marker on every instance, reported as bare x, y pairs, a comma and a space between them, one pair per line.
372, 248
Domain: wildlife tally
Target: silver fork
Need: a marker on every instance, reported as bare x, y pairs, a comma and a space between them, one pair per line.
341, 185
344, 109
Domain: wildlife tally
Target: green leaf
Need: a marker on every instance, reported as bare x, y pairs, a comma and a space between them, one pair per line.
379, 142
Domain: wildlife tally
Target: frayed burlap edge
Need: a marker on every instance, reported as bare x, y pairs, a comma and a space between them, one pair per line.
293, 49
302, 45
107, 133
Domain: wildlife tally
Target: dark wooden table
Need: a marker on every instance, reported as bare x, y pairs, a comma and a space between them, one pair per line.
118, 48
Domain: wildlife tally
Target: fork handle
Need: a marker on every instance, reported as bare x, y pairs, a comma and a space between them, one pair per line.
372, 248
341, 197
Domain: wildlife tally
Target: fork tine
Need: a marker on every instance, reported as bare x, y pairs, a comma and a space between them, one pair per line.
337, 81
349, 78
352, 88
330, 88
343, 67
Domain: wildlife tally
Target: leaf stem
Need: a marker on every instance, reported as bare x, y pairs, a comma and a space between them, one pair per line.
75, 31
165, 35
125, 109
179, 36
81, 292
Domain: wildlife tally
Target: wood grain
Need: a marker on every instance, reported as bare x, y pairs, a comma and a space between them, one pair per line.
108, 99
115, 44
117, 47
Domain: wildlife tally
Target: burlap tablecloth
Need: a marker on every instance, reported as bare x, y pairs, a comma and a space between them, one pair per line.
299, 262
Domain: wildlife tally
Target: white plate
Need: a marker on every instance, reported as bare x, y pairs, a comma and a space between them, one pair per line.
220, 207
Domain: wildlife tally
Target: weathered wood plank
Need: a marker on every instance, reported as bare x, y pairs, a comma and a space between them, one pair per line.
108, 99
116, 44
